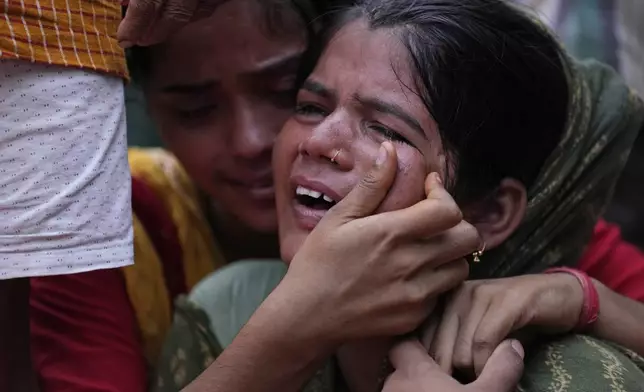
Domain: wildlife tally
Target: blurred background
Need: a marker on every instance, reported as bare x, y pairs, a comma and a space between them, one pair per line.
610, 31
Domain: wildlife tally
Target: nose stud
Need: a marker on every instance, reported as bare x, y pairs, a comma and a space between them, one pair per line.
335, 155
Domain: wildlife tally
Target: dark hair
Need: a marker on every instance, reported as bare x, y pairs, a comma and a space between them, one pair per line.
492, 79
279, 17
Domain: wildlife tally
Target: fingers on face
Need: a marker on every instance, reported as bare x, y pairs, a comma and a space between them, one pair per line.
148, 22
428, 217
173, 15
139, 18
372, 189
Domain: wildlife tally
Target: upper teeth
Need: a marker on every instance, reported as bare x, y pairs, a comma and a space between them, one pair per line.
314, 194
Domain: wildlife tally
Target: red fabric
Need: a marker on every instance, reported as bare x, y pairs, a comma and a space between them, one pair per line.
617, 264
162, 231
85, 337
84, 334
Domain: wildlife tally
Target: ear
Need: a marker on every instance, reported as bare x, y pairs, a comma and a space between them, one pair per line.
498, 216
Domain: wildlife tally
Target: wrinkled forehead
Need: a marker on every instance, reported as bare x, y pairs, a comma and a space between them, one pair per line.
361, 60
238, 38
363, 64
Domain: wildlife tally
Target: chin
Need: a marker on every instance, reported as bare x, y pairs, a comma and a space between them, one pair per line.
290, 244
264, 221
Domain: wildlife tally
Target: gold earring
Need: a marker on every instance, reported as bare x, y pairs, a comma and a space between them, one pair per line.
478, 254
337, 152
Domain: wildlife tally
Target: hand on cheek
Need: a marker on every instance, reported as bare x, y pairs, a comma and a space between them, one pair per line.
359, 275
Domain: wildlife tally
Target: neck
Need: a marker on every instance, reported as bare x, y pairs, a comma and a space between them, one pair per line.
239, 242
362, 364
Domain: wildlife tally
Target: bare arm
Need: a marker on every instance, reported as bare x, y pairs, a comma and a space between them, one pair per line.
324, 300
268, 355
621, 319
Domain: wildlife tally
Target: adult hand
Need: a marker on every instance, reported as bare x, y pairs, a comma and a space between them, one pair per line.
149, 22
481, 314
360, 275
416, 371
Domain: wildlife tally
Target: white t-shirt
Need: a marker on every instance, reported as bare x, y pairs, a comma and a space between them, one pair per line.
65, 187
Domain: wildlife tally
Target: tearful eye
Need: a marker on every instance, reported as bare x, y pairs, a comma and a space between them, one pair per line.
389, 134
308, 110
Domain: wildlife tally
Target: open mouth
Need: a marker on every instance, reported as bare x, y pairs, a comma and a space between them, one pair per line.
313, 199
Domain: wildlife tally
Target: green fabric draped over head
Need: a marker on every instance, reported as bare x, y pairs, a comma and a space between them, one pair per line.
577, 181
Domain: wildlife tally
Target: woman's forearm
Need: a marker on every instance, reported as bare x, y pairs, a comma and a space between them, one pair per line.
271, 353
621, 319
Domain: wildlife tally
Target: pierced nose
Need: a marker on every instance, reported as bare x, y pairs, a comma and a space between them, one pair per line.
335, 155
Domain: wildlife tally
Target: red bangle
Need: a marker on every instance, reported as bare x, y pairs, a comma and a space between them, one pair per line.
590, 309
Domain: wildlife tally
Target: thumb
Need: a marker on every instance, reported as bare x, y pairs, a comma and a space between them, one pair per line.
409, 356
365, 197
503, 370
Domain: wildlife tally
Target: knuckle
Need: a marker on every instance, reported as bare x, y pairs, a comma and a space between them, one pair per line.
369, 181
416, 296
144, 4
448, 211
482, 343
454, 212
177, 13
470, 235
484, 291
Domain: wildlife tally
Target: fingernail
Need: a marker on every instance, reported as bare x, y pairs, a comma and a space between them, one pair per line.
438, 178
382, 155
518, 348
125, 44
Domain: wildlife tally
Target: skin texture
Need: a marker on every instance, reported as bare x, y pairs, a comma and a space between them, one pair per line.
149, 22
296, 328
356, 98
220, 108
335, 111
480, 314
417, 372
319, 282
347, 105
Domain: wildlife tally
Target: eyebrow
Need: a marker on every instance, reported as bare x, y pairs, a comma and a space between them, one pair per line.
376, 104
391, 109
318, 88
288, 62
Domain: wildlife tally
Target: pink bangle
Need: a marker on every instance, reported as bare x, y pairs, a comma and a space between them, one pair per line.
590, 309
